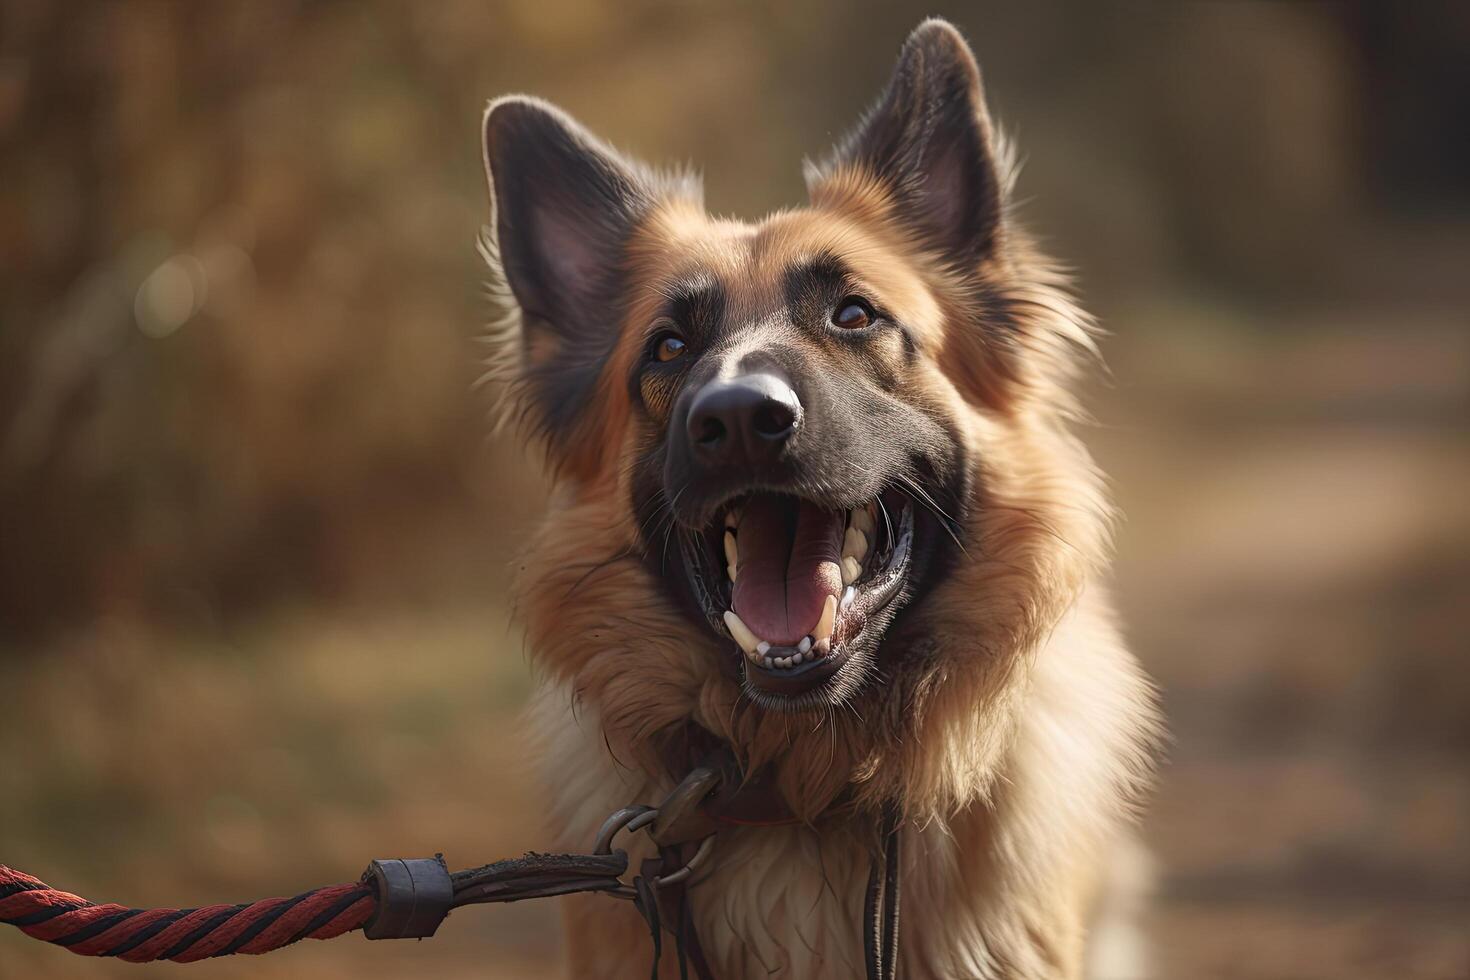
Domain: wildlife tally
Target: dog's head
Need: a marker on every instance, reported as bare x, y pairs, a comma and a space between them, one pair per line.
832, 440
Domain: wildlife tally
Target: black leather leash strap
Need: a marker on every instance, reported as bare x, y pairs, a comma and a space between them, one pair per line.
413, 896
880, 903
671, 909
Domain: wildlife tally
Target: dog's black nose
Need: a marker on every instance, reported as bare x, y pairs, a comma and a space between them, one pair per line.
745, 419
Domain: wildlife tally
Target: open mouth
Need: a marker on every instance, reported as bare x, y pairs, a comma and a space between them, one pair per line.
804, 591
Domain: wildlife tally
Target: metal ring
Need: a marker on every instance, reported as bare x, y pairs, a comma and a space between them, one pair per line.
688, 869
620, 819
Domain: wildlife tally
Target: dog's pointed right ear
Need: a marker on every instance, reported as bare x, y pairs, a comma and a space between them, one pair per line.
565, 206
928, 148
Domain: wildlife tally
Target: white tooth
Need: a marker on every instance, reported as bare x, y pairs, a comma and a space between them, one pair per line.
855, 544
796, 659
783, 662
824, 625
769, 663
862, 519
732, 557
743, 636
850, 570
848, 594
762, 648
730, 571
805, 644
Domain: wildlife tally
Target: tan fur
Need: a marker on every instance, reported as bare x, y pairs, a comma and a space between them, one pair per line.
1018, 733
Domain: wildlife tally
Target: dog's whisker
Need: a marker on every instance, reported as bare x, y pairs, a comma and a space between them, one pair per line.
1040, 523
659, 509
669, 525
946, 522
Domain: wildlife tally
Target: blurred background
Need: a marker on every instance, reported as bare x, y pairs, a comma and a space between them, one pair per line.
255, 532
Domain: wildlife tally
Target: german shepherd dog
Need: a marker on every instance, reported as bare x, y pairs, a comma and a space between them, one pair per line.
816, 500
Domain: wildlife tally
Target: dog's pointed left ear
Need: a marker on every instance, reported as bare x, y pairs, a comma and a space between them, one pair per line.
928, 145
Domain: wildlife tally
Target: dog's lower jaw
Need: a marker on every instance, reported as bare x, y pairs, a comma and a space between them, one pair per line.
1004, 888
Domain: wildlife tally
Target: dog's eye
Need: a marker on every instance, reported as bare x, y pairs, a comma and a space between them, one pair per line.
853, 313
668, 346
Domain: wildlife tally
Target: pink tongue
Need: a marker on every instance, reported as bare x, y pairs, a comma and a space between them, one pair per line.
789, 554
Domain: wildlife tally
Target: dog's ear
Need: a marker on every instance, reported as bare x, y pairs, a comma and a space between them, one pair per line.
928, 144
565, 205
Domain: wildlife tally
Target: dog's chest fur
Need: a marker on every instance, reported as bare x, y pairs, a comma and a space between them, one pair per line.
1004, 889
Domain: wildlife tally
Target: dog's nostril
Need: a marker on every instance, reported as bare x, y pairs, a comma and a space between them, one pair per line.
742, 419
773, 419
711, 431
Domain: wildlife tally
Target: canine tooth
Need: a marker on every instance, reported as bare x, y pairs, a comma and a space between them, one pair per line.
824, 625
730, 571
822, 647
855, 544
862, 519
850, 570
805, 644
748, 641
732, 556
848, 594
762, 648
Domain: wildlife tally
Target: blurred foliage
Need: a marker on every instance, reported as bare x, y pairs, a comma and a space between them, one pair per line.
254, 530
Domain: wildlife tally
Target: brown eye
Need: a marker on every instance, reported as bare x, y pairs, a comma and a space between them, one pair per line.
853, 313
668, 346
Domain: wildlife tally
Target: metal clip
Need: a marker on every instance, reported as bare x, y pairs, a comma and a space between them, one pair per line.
680, 818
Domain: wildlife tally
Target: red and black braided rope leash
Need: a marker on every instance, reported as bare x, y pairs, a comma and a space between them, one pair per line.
397, 899
181, 935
